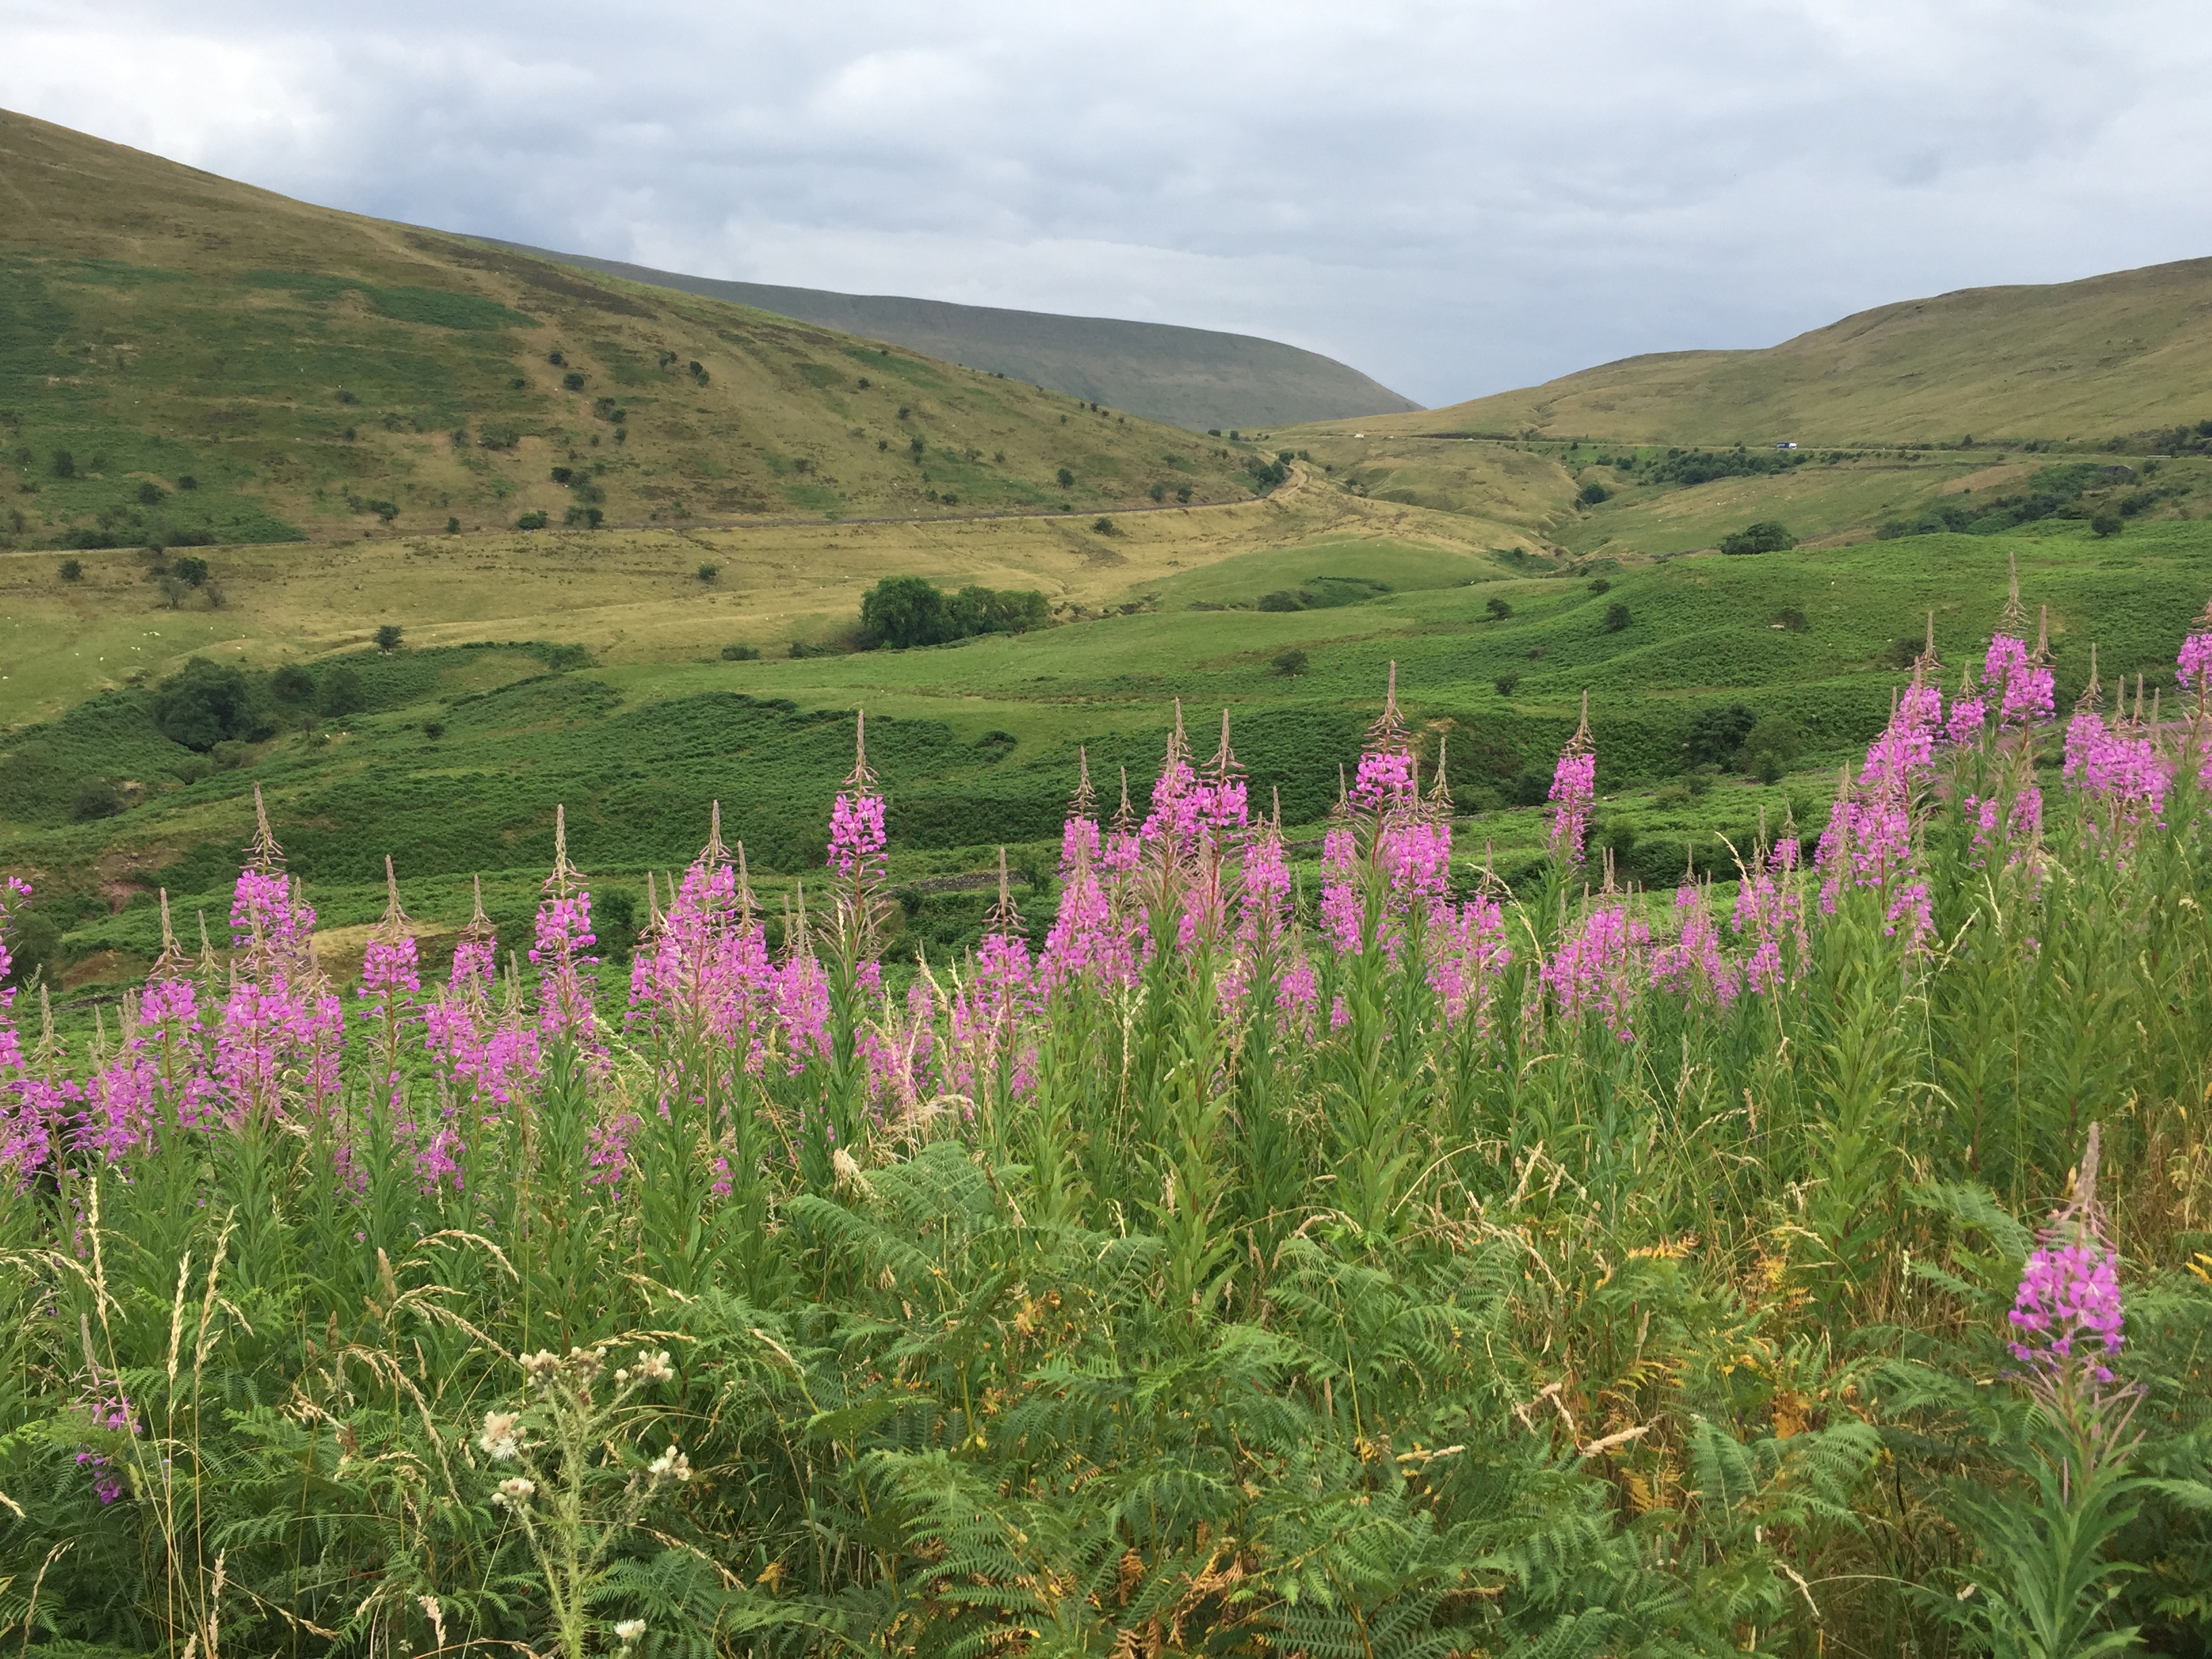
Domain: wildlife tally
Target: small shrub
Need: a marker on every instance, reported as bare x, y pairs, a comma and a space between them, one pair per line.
916, 446
573, 382
72, 570
453, 525
188, 481
1599, 585
2105, 524
1103, 526
530, 521
191, 569
291, 685
388, 636
1290, 663
1280, 599
741, 654
1507, 683
96, 799
556, 358
708, 572
151, 495
1791, 617
800, 650
1182, 494
1158, 492
1066, 479
697, 370
560, 475
1616, 617
1497, 609
64, 464
433, 730
1592, 493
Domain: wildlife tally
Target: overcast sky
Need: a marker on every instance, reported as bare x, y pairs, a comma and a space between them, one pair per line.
1454, 197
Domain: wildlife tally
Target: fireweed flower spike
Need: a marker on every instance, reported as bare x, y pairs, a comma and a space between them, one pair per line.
1574, 786
562, 944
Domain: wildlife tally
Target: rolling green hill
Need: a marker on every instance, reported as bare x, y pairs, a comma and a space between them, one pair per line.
2110, 356
185, 358
1189, 377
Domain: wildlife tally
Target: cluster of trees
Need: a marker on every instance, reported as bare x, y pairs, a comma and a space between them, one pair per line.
205, 703
1765, 537
1697, 466
901, 611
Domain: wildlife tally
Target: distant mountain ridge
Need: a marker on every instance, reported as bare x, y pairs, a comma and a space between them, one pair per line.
2105, 357
1189, 377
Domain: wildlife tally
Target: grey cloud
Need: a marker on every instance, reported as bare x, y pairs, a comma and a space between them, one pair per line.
1454, 197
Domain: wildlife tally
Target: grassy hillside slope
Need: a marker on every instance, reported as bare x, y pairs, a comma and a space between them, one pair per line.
1189, 377
2071, 362
182, 357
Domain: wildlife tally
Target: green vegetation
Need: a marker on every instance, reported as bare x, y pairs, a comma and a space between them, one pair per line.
1765, 537
1449, 1272
901, 611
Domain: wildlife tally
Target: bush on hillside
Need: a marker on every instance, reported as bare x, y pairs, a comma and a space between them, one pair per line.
1616, 617
203, 705
341, 692
741, 654
1290, 664
292, 685
1716, 735
2105, 524
388, 636
1765, 537
1280, 599
1497, 609
72, 570
1592, 493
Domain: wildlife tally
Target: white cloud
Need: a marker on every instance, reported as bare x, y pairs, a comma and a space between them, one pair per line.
1455, 197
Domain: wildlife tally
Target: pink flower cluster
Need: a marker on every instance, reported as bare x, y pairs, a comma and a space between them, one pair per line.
2068, 1299
2020, 682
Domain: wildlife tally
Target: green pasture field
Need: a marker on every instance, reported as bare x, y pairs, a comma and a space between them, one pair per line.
464, 751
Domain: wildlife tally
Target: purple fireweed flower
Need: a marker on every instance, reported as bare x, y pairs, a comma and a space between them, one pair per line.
2196, 653
2067, 1318
560, 946
2020, 681
1600, 966
2069, 1298
1343, 909
1696, 966
1574, 786
1868, 842
1965, 723
1467, 952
